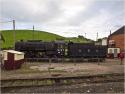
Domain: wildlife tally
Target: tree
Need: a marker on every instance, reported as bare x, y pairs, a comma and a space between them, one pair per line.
80, 36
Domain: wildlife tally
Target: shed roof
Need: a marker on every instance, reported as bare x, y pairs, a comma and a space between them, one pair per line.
13, 51
119, 31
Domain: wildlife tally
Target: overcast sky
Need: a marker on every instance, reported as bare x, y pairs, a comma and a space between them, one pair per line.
67, 18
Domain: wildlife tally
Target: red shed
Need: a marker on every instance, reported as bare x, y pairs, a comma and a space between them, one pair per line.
13, 59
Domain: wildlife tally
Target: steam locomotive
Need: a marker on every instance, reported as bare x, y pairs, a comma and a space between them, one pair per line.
60, 49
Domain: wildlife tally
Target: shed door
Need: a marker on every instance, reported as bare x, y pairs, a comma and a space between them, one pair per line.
10, 58
115, 52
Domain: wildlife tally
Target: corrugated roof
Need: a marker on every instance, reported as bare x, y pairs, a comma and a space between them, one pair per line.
119, 31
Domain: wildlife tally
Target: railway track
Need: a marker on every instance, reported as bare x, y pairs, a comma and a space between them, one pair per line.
35, 82
64, 59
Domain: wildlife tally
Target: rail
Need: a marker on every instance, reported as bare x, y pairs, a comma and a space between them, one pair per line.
28, 82
64, 59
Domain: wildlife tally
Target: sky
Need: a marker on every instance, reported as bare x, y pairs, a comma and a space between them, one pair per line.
68, 18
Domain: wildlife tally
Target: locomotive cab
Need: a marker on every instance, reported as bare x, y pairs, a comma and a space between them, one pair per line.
60, 51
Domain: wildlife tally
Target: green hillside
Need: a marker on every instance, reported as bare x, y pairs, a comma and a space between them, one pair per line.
26, 35
36, 35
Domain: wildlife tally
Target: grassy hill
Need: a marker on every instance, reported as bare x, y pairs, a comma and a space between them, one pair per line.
36, 35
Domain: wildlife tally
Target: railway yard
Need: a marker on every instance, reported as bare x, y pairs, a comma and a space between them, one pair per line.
64, 47
63, 77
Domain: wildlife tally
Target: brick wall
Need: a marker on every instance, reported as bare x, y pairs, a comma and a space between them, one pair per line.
119, 41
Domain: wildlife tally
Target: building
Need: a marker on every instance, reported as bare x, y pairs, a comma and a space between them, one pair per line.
104, 41
12, 59
116, 39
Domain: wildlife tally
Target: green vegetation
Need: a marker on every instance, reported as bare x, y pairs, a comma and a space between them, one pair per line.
26, 35
36, 35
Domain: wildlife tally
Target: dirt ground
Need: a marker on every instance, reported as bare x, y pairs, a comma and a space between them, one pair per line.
64, 69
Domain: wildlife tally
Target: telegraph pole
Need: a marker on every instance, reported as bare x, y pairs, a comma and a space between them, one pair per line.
97, 36
97, 48
85, 35
33, 32
14, 35
110, 32
0, 40
0, 49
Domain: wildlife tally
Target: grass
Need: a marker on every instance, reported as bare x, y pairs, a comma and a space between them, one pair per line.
36, 35
26, 35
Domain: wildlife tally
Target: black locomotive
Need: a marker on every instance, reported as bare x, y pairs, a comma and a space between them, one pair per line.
60, 49
41, 49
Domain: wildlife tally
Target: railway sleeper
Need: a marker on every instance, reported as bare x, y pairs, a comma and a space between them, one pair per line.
57, 81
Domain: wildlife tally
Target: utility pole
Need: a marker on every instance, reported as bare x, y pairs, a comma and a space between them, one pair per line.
1, 57
85, 35
0, 40
97, 36
14, 35
33, 32
110, 32
97, 48
0, 49
38, 35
